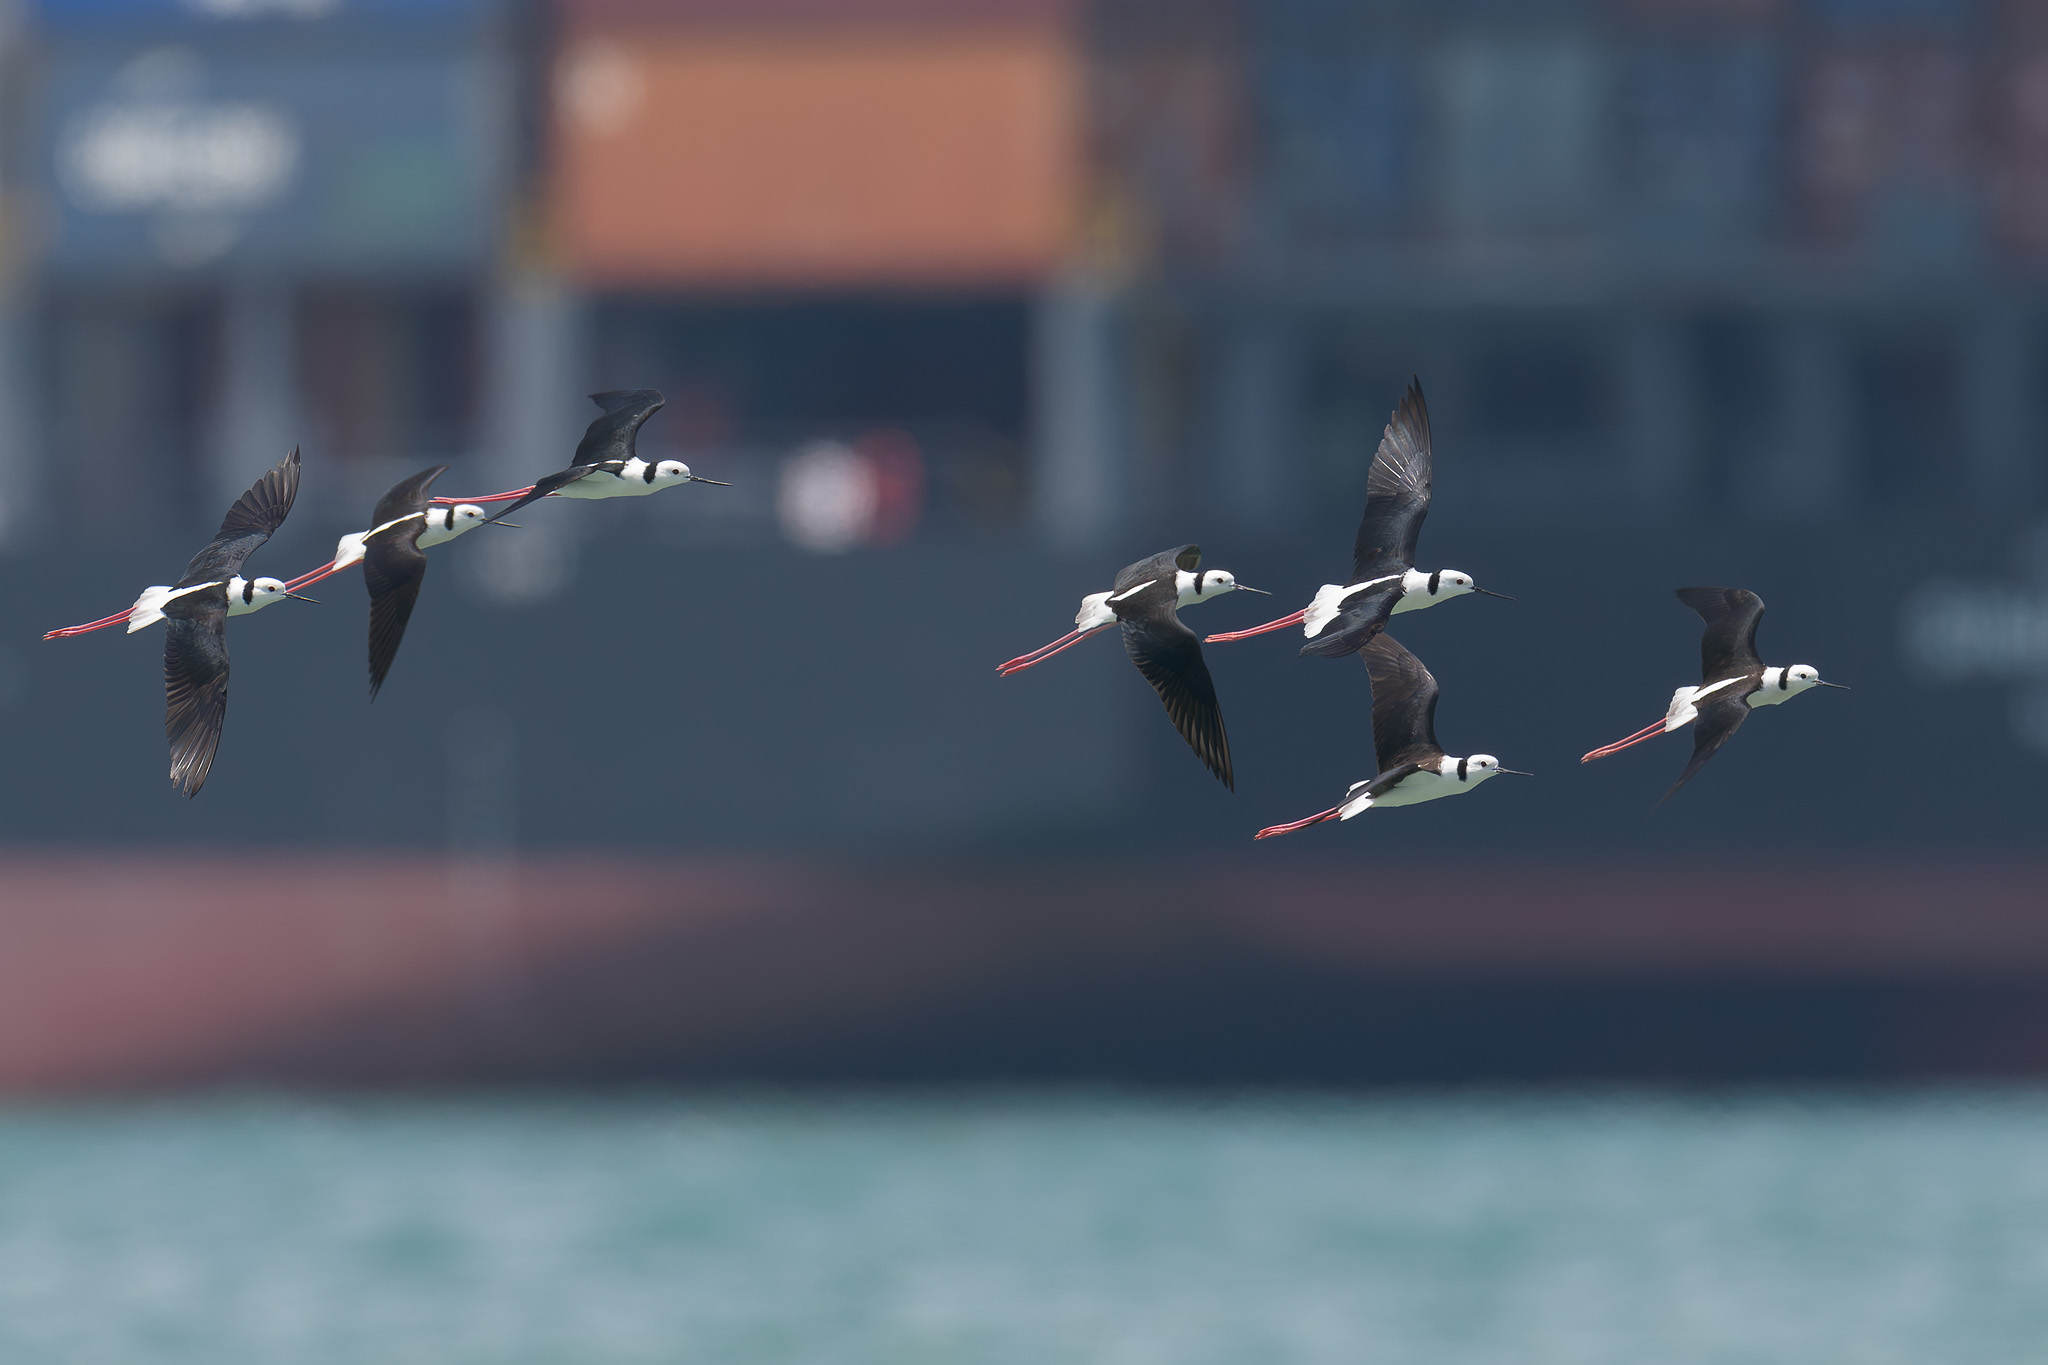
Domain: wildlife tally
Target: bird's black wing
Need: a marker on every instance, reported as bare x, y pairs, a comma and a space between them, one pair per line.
393, 567
1718, 721
1403, 705
611, 436
544, 486
1162, 565
1728, 645
195, 692
1170, 657
1364, 617
406, 497
1396, 493
253, 519
1381, 783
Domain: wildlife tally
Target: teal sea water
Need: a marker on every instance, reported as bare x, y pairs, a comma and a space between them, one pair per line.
1028, 1230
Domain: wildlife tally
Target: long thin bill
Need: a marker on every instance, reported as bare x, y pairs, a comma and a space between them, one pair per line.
1647, 732
1289, 828
1044, 652
1293, 619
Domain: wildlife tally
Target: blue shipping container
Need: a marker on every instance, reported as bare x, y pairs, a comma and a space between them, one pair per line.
172, 159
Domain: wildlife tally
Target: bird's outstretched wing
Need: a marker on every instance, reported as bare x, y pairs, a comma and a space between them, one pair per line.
1728, 645
253, 519
1364, 617
406, 497
544, 486
1717, 723
1170, 657
1396, 492
1403, 705
195, 693
393, 567
1154, 567
612, 436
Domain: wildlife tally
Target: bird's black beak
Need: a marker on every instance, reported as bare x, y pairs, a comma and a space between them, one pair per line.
1246, 587
1839, 687
1513, 772
699, 478
301, 597
1487, 592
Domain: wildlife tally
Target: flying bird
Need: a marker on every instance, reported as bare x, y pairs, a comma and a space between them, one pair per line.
607, 464
197, 608
1733, 680
1412, 766
393, 555
244, 595
1145, 600
1384, 579
437, 524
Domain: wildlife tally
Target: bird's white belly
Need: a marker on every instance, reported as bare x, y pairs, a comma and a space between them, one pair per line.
1419, 787
604, 484
1409, 791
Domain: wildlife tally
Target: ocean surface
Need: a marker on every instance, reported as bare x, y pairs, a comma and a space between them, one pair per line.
1029, 1229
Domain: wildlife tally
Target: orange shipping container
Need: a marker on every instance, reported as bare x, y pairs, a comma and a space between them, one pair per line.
792, 155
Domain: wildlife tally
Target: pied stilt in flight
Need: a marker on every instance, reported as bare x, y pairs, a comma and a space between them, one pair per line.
1733, 680
197, 607
393, 555
244, 595
1412, 766
1145, 600
607, 464
1384, 579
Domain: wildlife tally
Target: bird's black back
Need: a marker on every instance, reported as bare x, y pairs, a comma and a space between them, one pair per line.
1728, 645
1396, 493
253, 519
1403, 705
1165, 565
612, 436
394, 565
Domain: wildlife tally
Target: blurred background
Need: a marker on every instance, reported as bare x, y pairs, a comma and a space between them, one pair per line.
670, 800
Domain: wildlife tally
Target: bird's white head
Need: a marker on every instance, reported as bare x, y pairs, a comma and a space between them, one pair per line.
1800, 677
1476, 769
667, 472
1421, 589
254, 594
1209, 583
443, 524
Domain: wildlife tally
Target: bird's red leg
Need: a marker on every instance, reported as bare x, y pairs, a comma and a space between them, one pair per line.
1271, 830
1647, 732
1044, 652
312, 576
487, 497
66, 632
1292, 619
